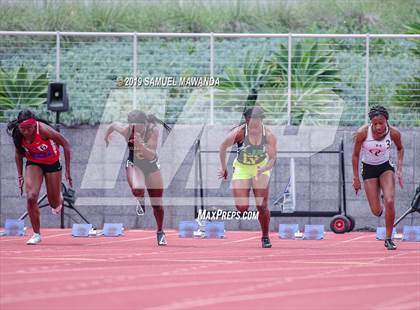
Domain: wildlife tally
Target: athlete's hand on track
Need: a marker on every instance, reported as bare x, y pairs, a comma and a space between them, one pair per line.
357, 185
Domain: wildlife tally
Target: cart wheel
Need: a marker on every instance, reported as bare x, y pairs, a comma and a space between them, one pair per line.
352, 222
340, 224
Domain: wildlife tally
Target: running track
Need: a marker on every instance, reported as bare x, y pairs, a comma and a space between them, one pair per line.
350, 271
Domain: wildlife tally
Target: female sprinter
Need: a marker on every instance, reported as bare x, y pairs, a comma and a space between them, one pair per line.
377, 171
39, 143
143, 168
256, 157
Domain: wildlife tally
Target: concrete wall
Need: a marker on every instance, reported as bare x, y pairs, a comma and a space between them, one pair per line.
316, 178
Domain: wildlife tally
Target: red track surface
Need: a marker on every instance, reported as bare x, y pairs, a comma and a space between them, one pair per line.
351, 271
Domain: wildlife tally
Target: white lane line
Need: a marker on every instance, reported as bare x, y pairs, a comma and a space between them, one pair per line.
62, 259
357, 238
43, 237
212, 301
190, 260
242, 240
396, 302
127, 240
27, 296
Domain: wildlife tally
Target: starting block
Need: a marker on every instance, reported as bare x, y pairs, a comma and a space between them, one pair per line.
313, 232
381, 231
187, 229
288, 231
113, 229
411, 233
214, 230
14, 227
81, 230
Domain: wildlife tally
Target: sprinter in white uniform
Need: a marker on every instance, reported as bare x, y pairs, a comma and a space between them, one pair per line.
378, 173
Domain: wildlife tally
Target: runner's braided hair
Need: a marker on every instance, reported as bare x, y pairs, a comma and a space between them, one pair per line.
378, 110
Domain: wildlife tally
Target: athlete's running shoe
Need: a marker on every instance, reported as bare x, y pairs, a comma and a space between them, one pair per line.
161, 238
265, 242
389, 244
35, 239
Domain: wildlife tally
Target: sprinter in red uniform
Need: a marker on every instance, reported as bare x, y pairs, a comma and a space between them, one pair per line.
35, 140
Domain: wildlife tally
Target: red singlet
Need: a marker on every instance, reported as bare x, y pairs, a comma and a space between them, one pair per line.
41, 151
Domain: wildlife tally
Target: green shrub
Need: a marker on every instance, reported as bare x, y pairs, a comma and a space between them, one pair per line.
22, 90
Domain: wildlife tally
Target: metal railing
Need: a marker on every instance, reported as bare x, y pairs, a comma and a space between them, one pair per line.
92, 62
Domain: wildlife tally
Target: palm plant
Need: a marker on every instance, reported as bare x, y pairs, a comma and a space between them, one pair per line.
408, 93
314, 73
238, 82
414, 28
19, 89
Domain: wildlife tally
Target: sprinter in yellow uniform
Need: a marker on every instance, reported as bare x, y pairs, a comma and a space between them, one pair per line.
256, 157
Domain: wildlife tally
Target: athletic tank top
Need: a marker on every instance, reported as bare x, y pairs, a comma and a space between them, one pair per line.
376, 152
250, 154
41, 151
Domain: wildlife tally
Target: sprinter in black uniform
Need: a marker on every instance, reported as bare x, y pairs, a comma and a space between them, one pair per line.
142, 166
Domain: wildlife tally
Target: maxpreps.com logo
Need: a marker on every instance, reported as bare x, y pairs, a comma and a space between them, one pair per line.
213, 215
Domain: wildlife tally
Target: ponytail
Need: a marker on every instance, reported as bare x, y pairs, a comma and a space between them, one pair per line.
139, 117
13, 128
13, 131
155, 120
250, 108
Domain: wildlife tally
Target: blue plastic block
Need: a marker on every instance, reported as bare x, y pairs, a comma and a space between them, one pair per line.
14, 227
381, 231
287, 231
411, 233
215, 230
81, 230
113, 229
187, 229
313, 232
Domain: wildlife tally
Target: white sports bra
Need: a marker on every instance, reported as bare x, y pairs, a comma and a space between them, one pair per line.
376, 152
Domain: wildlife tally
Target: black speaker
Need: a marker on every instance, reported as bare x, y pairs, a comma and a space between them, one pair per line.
57, 99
